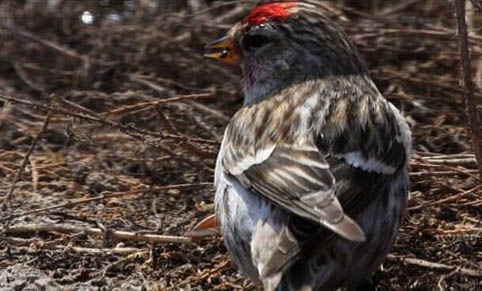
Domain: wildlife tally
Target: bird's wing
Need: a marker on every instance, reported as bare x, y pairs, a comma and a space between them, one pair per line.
324, 178
301, 180
296, 178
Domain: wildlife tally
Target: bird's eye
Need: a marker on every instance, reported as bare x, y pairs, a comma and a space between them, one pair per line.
251, 42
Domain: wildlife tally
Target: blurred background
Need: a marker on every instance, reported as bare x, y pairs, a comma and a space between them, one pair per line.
135, 117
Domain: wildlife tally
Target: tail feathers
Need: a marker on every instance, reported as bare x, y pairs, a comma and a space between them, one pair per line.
273, 250
270, 283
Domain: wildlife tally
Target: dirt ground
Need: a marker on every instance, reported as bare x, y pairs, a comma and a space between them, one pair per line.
126, 117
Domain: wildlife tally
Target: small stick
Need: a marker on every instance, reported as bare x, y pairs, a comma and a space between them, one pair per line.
437, 266
455, 197
207, 128
435, 33
15, 30
448, 199
107, 251
165, 122
23, 75
442, 156
71, 203
470, 203
209, 110
35, 174
133, 131
30, 150
172, 130
466, 161
191, 102
148, 104
470, 102
393, 9
439, 173
129, 257
418, 164
118, 234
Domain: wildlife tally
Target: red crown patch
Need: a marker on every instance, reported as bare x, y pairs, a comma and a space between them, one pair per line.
266, 12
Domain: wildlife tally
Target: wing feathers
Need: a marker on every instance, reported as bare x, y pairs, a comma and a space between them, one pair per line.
347, 228
299, 180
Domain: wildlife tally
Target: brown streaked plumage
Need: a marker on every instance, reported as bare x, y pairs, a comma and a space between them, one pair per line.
312, 174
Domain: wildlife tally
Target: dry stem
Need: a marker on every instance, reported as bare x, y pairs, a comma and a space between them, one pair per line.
470, 102
436, 266
103, 197
30, 151
118, 234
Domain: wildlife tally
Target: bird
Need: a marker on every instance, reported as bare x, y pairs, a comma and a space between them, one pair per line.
312, 176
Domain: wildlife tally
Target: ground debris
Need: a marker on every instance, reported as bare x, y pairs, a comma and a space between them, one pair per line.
129, 150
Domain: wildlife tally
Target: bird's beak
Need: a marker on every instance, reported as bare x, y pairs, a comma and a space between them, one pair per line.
223, 50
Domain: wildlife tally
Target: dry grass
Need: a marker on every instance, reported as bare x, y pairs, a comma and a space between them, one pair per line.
127, 156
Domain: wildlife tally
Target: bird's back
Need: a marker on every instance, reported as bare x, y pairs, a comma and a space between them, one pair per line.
368, 159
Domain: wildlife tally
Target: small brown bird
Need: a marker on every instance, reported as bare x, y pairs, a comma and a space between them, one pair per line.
312, 174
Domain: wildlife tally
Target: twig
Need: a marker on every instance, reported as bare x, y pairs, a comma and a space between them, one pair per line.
35, 174
465, 172
436, 266
107, 251
5, 113
104, 196
147, 105
456, 162
192, 103
172, 130
393, 9
435, 33
234, 13
164, 121
127, 129
470, 102
443, 277
356, 12
118, 234
438, 156
128, 258
440, 173
477, 3
447, 199
216, 6
23, 75
209, 110
149, 138
141, 80
144, 81
455, 197
204, 275
390, 75
477, 202
207, 128
15, 30
30, 151
138, 133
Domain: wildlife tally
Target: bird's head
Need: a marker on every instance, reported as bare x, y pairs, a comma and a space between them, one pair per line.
279, 45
